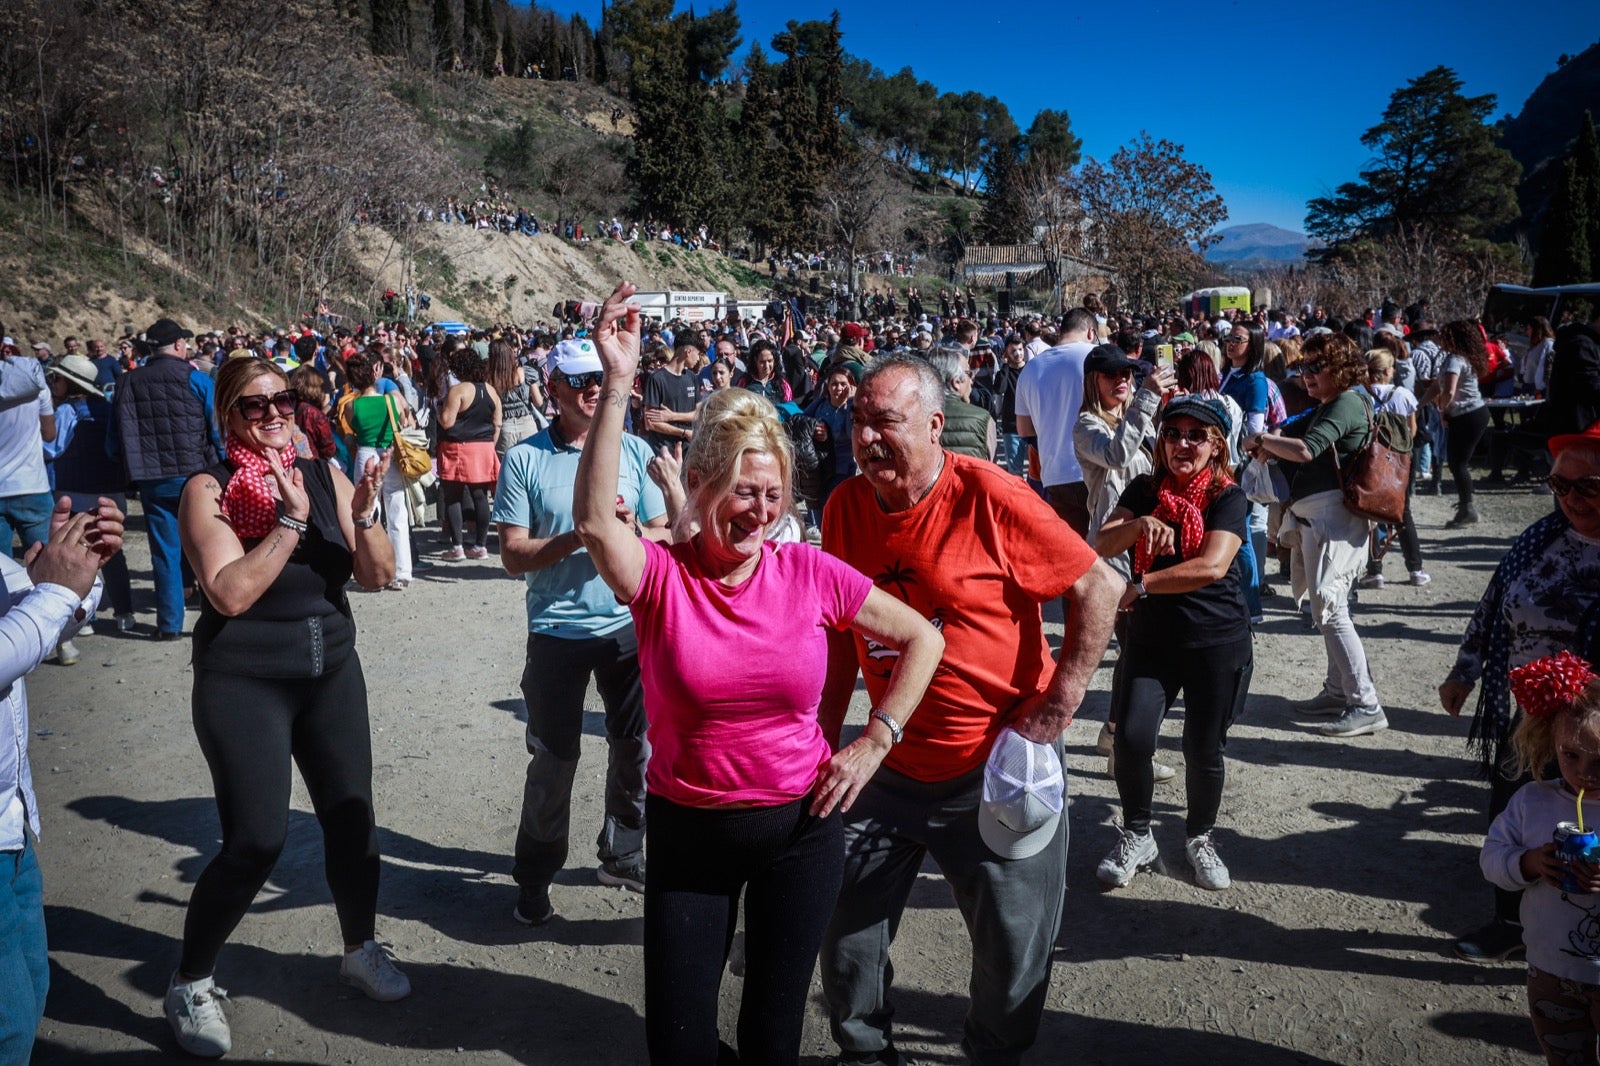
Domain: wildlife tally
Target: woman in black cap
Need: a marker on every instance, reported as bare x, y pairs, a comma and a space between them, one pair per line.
1188, 630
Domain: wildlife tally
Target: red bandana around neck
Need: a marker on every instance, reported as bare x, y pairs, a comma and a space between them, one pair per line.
1184, 508
248, 502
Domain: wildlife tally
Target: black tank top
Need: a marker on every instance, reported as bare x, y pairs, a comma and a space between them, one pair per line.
300, 626
476, 423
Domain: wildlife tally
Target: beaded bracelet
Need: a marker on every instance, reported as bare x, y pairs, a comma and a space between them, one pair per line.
292, 523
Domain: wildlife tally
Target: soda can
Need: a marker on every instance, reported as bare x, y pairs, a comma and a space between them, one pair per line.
1575, 845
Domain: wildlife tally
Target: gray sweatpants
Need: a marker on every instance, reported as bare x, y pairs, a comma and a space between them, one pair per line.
1012, 908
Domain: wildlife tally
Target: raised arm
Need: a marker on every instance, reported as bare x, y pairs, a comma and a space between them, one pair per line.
616, 551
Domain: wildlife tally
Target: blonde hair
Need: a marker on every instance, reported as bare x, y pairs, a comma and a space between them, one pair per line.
730, 424
1211, 349
1379, 361
1533, 744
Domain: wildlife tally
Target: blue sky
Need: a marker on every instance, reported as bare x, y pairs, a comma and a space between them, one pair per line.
1272, 98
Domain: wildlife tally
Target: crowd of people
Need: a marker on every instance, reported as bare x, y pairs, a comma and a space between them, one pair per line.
892, 500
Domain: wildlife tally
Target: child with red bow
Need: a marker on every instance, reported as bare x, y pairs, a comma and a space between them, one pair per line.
1560, 700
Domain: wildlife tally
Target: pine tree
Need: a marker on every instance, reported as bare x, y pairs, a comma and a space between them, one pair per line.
1586, 161
510, 53
471, 35
1005, 218
491, 39
1564, 249
444, 35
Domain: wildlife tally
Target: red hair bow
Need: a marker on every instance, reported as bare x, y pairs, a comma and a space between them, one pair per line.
1551, 684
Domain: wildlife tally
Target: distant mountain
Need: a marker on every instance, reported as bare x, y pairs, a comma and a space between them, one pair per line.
1548, 121
1257, 242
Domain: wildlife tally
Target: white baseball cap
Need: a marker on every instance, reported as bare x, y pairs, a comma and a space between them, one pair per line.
576, 355
1024, 792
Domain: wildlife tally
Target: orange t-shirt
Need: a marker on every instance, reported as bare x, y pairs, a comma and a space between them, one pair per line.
976, 557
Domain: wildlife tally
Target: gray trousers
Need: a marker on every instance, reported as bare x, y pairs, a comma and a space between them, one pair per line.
554, 682
1012, 908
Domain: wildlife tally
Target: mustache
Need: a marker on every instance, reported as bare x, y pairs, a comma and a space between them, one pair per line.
877, 451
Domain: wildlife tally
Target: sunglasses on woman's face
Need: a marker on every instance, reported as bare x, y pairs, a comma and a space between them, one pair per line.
1587, 487
254, 408
1311, 368
583, 381
1174, 435
1237, 338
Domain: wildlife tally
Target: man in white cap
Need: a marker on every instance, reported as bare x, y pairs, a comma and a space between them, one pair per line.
576, 629
975, 551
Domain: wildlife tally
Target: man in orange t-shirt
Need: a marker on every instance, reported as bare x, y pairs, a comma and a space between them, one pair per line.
977, 552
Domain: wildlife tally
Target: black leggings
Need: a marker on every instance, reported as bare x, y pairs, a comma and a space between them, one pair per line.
1465, 433
790, 866
1214, 682
249, 728
454, 494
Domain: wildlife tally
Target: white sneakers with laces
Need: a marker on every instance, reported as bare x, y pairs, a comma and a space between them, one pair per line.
371, 968
1209, 872
195, 1013
1133, 852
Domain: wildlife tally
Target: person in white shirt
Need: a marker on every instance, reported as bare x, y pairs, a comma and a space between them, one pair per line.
1049, 395
27, 421
42, 602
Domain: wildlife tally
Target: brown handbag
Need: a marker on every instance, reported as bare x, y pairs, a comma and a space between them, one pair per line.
1375, 479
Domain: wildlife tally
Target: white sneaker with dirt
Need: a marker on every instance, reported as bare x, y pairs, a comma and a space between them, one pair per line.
371, 968
66, 653
1134, 852
1357, 722
195, 1013
1371, 581
1209, 872
1420, 578
1159, 770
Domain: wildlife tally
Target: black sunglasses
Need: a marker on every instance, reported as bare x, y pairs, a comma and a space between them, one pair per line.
1587, 487
583, 381
1172, 435
1312, 368
1237, 337
254, 408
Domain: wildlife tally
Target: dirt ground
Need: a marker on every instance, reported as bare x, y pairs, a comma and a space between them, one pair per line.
1354, 864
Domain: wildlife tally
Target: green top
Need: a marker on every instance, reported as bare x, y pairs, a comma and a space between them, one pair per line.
368, 417
1340, 424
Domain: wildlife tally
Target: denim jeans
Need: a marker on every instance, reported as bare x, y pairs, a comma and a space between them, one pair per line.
24, 963
27, 516
160, 501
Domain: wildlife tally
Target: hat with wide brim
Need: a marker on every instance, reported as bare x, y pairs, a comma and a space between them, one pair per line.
1562, 441
77, 369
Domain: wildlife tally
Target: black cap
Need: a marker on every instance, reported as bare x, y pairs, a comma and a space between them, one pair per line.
1207, 412
1107, 359
165, 332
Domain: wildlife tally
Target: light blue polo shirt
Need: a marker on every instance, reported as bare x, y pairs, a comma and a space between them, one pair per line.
568, 600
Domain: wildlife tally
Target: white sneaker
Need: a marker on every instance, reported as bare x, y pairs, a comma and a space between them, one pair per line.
1134, 851
195, 1012
372, 969
1159, 770
1420, 578
1209, 872
1371, 581
66, 653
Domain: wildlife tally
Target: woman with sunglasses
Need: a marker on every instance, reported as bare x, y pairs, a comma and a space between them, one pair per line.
1544, 598
1109, 438
1328, 543
1187, 630
273, 541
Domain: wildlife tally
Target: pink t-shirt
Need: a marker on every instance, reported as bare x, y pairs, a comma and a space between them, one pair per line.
732, 676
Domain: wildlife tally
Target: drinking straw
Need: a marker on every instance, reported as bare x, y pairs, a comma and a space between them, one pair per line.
1580, 810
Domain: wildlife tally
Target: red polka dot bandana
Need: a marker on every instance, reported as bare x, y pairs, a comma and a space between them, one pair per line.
248, 503
1549, 685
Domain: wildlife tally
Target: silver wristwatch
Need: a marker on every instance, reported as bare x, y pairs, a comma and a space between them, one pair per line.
897, 732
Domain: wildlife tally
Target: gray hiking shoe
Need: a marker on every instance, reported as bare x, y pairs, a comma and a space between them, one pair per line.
1357, 722
1133, 852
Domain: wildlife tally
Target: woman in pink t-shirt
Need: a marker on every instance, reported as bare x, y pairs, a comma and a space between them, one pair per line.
744, 789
